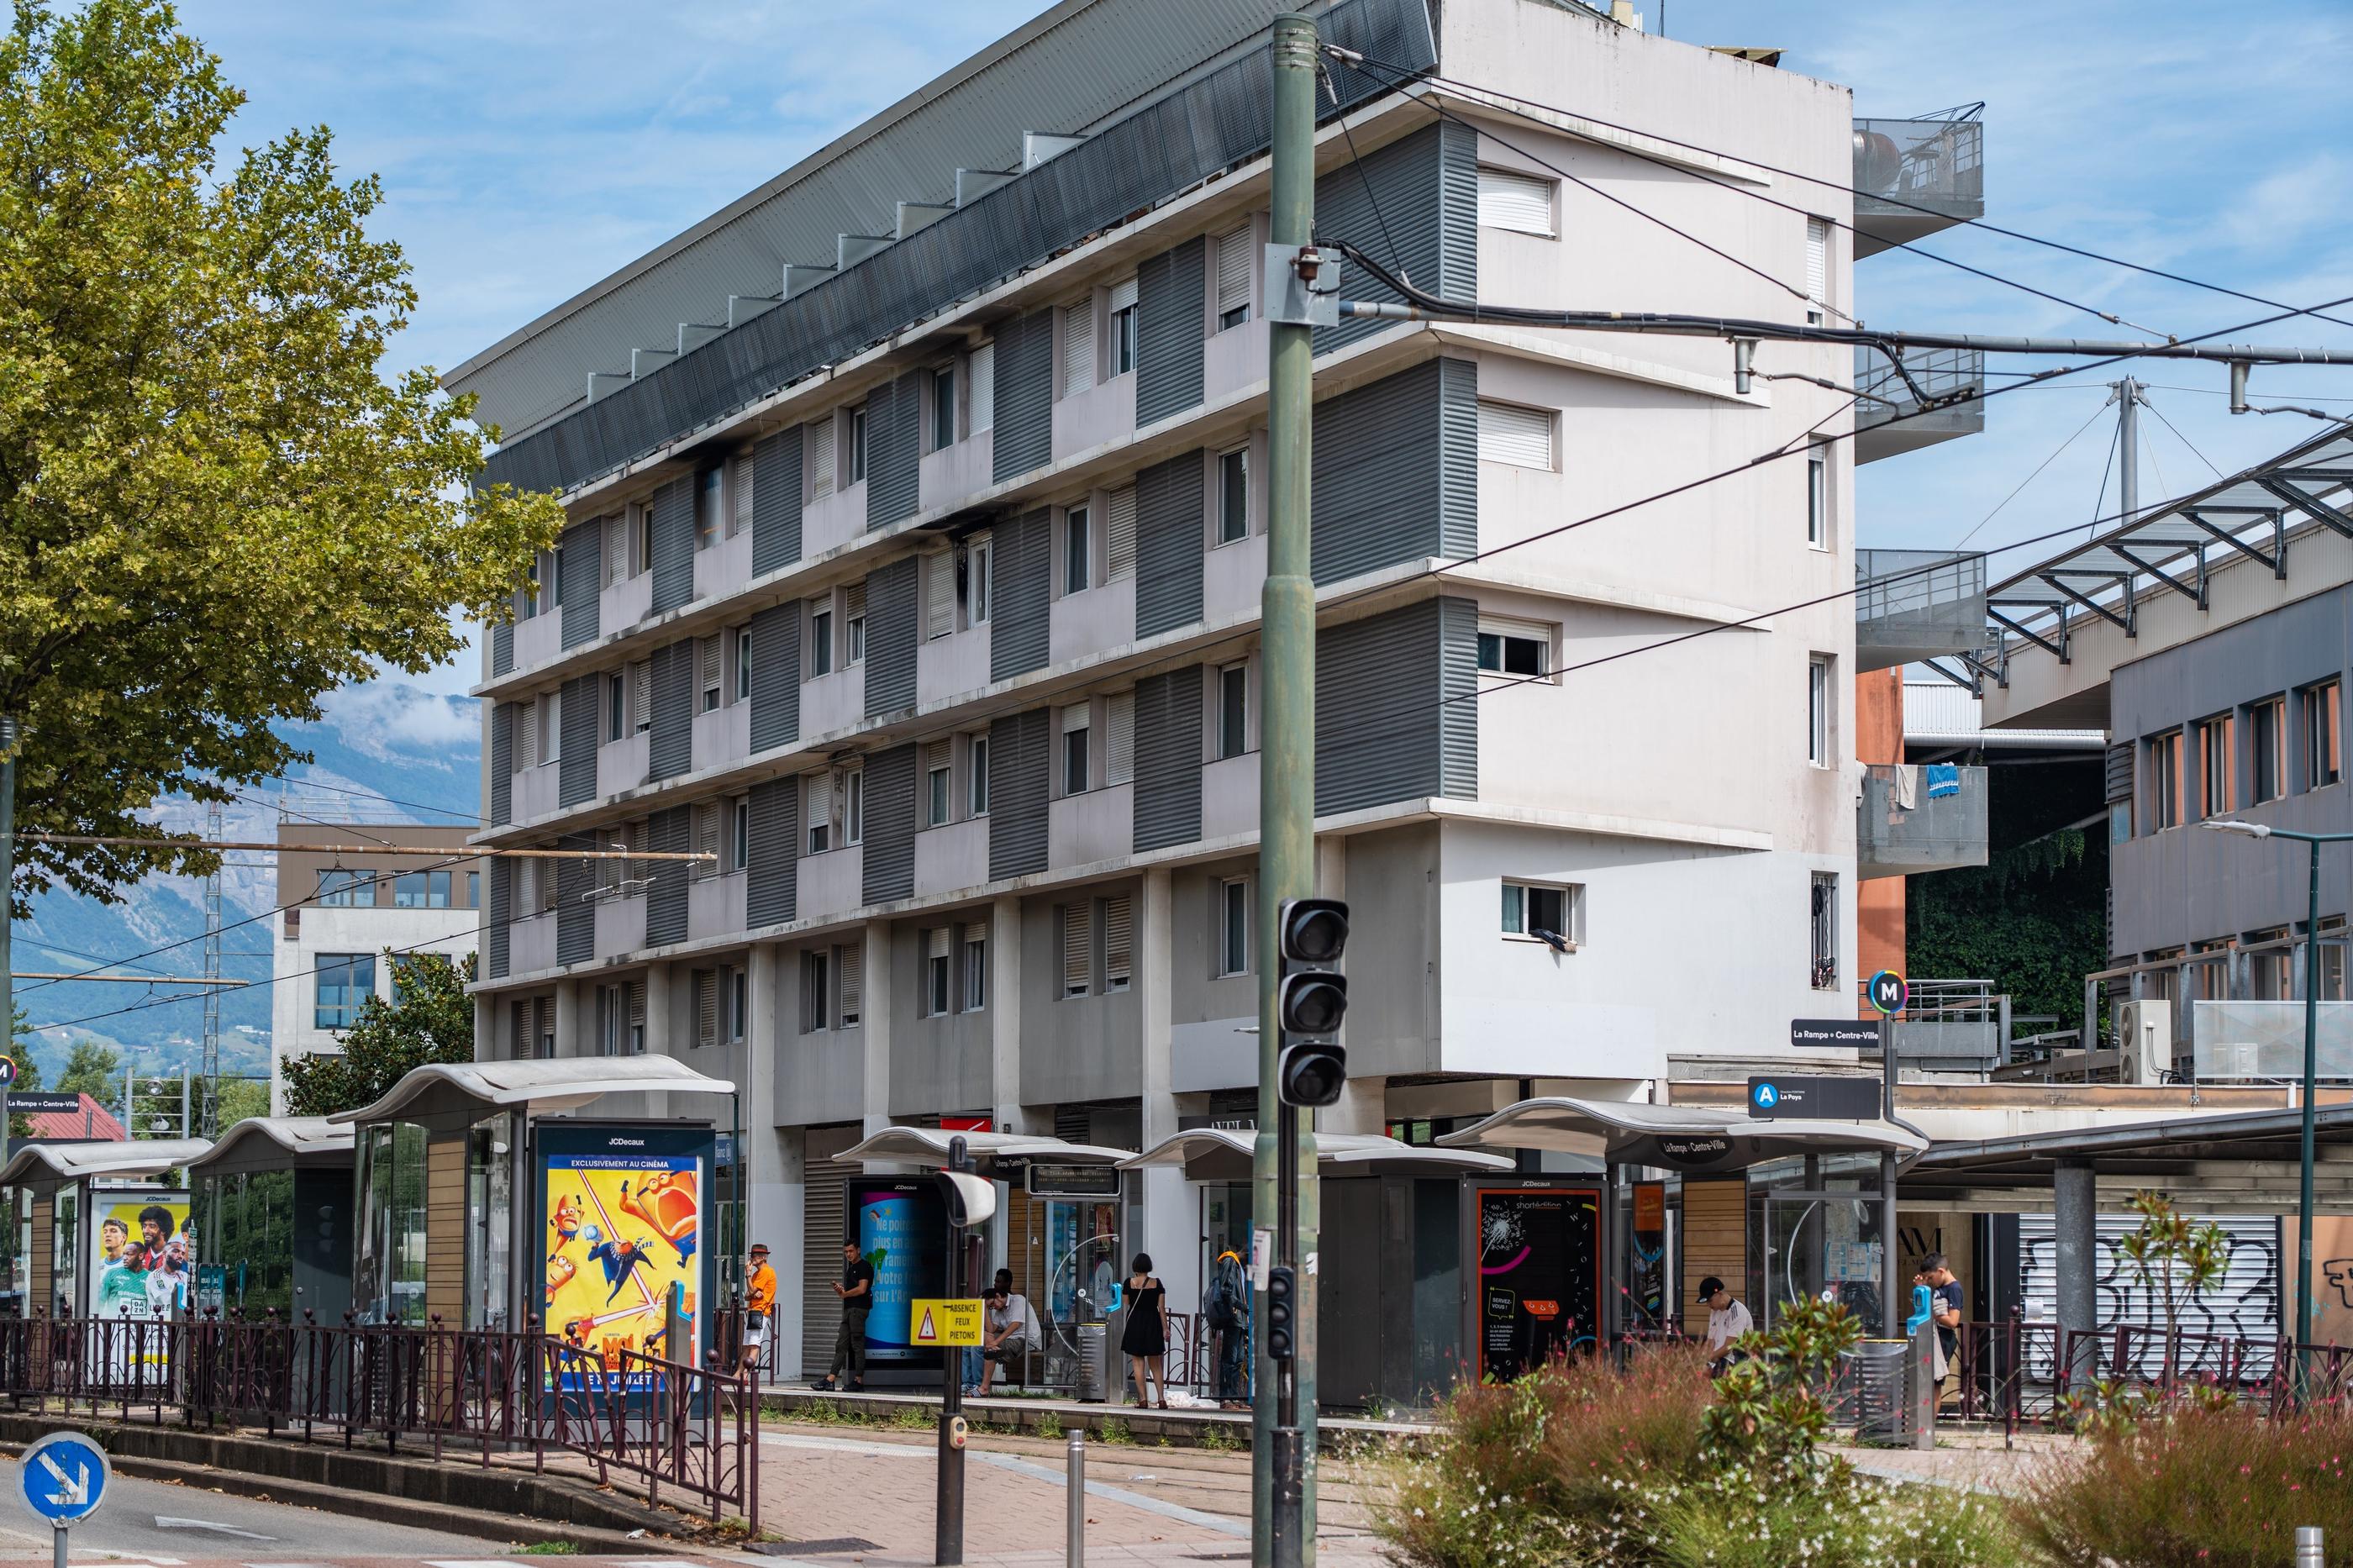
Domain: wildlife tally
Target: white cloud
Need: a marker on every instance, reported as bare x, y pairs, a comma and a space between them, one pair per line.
383, 716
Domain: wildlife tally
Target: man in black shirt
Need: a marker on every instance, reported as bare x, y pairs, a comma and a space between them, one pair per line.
857, 1293
1946, 1301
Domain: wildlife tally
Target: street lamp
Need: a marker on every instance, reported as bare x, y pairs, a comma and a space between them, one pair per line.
2311, 1062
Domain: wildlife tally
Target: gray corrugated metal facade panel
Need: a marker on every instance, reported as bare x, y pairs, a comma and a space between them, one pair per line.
776, 677
667, 832
1018, 751
502, 764
673, 545
1170, 525
580, 567
889, 857
575, 912
670, 737
1170, 311
502, 647
777, 500
576, 774
891, 636
1168, 759
1166, 144
1413, 220
894, 429
1458, 458
1378, 687
772, 875
1457, 714
495, 915
1378, 495
1021, 635
1024, 438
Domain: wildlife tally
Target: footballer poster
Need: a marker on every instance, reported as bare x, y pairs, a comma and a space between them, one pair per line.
621, 1223
141, 1262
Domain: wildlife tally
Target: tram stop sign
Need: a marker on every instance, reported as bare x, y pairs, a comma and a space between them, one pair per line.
7, 1073
63, 1477
1888, 993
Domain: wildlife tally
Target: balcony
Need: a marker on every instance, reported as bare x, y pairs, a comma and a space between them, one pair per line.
2242, 1041
1915, 177
1914, 819
1888, 412
1953, 1026
1912, 604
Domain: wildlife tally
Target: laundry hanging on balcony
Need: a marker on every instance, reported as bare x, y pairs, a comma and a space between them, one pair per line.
1943, 779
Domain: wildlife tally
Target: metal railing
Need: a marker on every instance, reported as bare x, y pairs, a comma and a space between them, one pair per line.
1938, 163
1939, 375
672, 1426
1918, 604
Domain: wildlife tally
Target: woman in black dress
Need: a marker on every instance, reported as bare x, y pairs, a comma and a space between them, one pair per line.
1145, 1339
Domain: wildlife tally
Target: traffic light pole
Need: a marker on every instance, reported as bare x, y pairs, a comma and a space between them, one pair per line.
1283, 1169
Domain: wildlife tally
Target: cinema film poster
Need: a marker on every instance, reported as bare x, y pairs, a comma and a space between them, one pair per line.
141, 1254
621, 1230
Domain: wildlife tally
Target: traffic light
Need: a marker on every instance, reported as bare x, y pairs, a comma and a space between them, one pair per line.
1311, 999
1281, 1313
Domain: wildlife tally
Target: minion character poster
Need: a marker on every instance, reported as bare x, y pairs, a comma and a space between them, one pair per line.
621, 1224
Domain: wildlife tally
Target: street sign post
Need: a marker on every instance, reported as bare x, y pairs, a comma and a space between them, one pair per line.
1888, 993
63, 1479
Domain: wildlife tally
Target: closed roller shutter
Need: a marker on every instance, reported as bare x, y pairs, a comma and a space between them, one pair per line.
1510, 434
1077, 347
1233, 272
1521, 203
739, 496
1119, 738
1818, 259
1119, 943
821, 456
1078, 958
1123, 294
1119, 533
939, 595
980, 410
849, 964
825, 1188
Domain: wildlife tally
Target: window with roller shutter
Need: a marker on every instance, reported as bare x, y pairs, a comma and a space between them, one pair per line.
817, 991
641, 696
980, 400
1119, 533
937, 942
853, 622
939, 595
739, 496
820, 458
939, 791
1119, 943
526, 747
1122, 326
547, 1028
1234, 278
1818, 268
1077, 347
706, 1006
1078, 949
853, 806
1077, 776
707, 661
636, 1036
817, 810
710, 822
1521, 203
975, 966
616, 539
849, 964
1119, 738
1509, 433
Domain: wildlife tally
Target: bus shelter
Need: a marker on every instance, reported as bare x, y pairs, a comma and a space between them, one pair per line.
1784, 1208
487, 1198
271, 1206
1389, 1269
104, 1226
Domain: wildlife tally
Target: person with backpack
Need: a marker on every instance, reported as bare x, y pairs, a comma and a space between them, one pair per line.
1225, 1308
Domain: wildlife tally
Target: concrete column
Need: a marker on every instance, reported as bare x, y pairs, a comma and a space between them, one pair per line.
1168, 1225
761, 1161
1004, 1014
780, 1201
2075, 1208
661, 1028
878, 1000
571, 1033
487, 1044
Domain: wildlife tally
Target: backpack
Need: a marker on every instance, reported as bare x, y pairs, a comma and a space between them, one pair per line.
1224, 1308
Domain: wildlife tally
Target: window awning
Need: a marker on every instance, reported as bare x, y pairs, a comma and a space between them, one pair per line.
1676, 1137
1224, 1154
543, 1086
993, 1154
78, 1161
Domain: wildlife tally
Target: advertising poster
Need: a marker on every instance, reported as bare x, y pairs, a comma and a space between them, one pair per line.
622, 1223
1539, 1276
141, 1253
2332, 1278
903, 1230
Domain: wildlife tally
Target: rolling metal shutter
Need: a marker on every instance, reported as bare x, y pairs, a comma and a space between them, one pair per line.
1168, 759
1377, 690
1119, 943
889, 867
502, 726
575, 780
850, 970
1021, 635
980, 389
502, 649
575, 915
1169, 333
670, 742
1018, 778
771, 887
740, 491
1510, 434
776, 675
777, 500
1119, 738
1817, 259
1379, 489
666, 834
496, 917
891, 636
1169, 551
1427, 185
674, 531
939, 595
2245, 1305
1521, 203
1025, 395
1119, 533
1077, 948
894, 450
1233, 270
1077, 347
579, 565
825, 1190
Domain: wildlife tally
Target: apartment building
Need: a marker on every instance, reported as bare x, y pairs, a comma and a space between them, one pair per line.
917, 533
347, 909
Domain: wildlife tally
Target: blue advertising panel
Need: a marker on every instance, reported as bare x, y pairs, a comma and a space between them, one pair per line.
901, 1224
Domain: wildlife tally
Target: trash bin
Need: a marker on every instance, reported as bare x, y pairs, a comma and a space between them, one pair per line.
1094, 1367
1873, 1377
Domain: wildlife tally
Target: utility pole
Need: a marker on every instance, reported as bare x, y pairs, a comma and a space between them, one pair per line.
2127, 400
210, 1087
8, 733
1283, 1484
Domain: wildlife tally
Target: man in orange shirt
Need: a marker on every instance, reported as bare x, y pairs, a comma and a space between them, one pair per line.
759, 1306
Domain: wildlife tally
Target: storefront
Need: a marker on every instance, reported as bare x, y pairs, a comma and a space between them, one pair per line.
272, 1205
106, 1226
1390, 1254
486, 1200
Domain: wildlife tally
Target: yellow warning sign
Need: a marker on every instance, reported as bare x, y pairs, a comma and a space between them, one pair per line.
944, 1323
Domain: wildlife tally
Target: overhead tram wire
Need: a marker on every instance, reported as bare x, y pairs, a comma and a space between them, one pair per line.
2037, 474
1488, 96
388, 799
2185, 440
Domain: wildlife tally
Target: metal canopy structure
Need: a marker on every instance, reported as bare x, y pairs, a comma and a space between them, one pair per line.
543, 1087
1677, 1137
2172, 548
993, 1154
298, 1140
51, 1165
1223, 1154
2243, 1163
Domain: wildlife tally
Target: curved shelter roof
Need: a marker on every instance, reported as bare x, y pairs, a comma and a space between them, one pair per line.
565, 1084
1224, 1153
61, 1162
304, 1137
992, 1153
1678, 1137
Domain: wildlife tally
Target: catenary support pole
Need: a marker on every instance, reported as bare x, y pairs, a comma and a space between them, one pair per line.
2304, 1210
1891, 1259
1286, 791
2128, 447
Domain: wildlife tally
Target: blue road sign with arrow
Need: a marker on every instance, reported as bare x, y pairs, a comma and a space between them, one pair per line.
63, 1477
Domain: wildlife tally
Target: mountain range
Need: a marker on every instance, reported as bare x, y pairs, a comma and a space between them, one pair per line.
381, 752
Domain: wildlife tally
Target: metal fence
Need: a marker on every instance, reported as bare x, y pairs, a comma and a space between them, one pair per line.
1938, 375
668, 1426
1937, 164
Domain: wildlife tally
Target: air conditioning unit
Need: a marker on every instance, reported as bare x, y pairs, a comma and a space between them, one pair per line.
2144, 1037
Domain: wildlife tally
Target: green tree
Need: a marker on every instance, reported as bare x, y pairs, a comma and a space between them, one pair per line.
430, 1019
94, 1071
241, 1098
212, 508
2177, 1257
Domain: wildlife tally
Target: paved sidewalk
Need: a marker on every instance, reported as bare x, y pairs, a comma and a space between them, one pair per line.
1974, 1461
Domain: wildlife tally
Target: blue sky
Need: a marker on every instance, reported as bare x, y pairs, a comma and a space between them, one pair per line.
529, 149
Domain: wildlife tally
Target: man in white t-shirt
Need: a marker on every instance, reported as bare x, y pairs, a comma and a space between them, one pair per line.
1011, 1331
1727, 1320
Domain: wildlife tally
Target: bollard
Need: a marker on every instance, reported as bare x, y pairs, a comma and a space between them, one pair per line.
2308, 1553
1074, 1551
